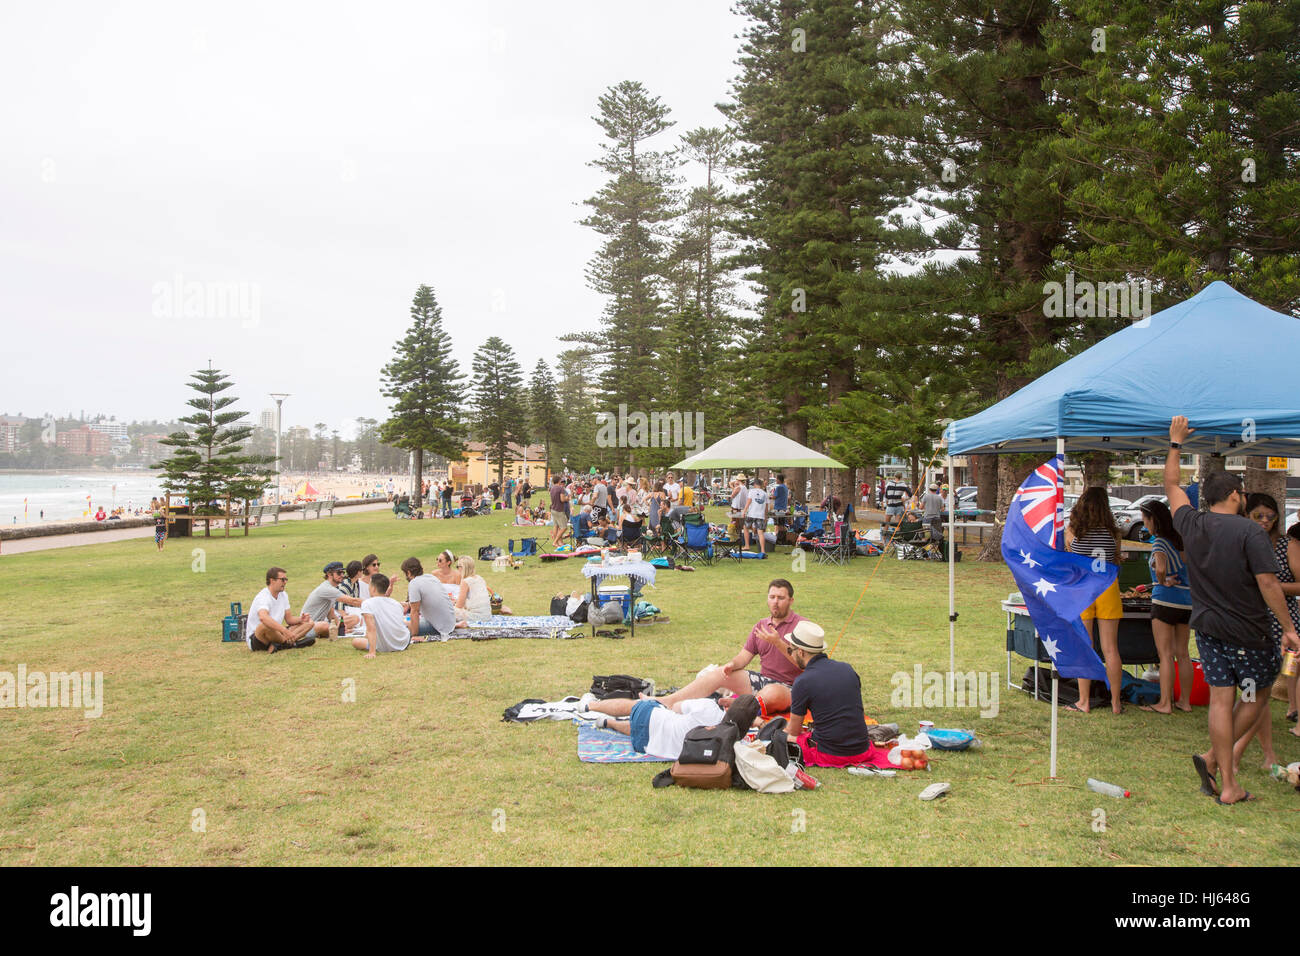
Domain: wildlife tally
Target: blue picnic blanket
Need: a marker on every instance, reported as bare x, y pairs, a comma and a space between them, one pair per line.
609, 746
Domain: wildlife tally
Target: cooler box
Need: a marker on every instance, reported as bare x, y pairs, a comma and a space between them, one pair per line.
616, 593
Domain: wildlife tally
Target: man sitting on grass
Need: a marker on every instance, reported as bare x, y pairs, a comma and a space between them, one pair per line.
319, 605
777, 673
659, 726
270, 625
431, 612
386, 631
832, 692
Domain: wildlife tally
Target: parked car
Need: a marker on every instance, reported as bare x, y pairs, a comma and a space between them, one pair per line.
1130, 518
1118, 508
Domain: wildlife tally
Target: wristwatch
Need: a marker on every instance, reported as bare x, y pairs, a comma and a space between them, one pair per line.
1174, 444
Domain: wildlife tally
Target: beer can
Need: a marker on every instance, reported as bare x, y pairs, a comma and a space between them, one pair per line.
1289, 663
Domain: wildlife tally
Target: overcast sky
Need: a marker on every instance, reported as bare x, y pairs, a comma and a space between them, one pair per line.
321, 161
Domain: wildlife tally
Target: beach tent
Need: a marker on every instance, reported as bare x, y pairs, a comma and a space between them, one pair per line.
306, 490
755, 447
1223, 360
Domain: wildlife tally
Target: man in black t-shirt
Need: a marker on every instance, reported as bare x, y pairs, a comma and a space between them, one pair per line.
832, 692
1234, 584
160, 528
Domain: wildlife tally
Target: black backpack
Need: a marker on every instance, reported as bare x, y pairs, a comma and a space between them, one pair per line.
489, 552
710, 744
619, 686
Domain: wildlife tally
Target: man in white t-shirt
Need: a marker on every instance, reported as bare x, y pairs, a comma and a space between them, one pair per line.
658, 726
756, 506
673, 491
270, 625
386, 628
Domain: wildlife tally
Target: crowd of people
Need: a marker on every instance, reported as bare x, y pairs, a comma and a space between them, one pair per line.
355, 601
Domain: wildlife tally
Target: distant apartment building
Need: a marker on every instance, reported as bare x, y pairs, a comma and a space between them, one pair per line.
151, 451
9, 430
115, 430
267, 419
85, 441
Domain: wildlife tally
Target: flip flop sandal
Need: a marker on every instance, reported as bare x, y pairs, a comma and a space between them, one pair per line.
1207, 780
1248, 796
935, 790
1151, 710
1294, 715
1075, 708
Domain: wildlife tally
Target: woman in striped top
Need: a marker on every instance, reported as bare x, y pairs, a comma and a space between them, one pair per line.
1092, 531
1171, 607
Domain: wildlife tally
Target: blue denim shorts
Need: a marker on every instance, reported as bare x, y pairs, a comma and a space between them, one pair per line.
640, 721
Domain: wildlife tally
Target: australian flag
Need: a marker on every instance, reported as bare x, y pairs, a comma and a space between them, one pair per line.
1057, 585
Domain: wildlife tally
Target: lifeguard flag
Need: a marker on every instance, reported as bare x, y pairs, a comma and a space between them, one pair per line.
1056, 585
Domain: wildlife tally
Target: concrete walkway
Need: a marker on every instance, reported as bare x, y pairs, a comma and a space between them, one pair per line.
47, 542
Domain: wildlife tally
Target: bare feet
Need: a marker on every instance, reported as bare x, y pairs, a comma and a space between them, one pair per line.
1185, 708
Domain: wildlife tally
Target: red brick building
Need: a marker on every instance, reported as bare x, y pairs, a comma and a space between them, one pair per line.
85, 441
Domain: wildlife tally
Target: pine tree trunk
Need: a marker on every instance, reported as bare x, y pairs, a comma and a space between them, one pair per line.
1259, 479
985, 475
417, 491
869, 475
1096, 469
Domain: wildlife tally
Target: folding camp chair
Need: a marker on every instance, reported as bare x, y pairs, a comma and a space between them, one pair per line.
670, 533
839, 548
913, 542
816, 523
527, 548
695, 543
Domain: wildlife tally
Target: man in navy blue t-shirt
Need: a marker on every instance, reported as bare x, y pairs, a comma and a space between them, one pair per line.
832, 691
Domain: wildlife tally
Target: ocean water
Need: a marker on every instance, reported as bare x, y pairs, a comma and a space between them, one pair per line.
62, 495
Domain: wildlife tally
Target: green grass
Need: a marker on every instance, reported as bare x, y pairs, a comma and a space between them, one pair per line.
417, 769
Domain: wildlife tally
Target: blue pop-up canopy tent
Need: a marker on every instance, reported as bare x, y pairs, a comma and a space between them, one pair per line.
1226, 362
1223, 360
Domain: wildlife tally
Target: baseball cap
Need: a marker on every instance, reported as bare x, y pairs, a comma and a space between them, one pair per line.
807, 636
334, 566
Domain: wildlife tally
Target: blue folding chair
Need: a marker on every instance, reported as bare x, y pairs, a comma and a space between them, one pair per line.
527, 548
696, 543
816, 523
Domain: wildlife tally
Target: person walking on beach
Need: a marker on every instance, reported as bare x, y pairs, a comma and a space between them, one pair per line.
159, 529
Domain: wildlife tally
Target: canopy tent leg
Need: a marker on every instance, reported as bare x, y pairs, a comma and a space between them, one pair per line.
952, 582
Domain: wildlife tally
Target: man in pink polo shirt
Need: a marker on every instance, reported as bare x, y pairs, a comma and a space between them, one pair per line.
777, 671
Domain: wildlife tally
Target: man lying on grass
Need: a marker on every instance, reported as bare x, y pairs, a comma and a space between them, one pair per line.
659, 726
270, 625
386, 629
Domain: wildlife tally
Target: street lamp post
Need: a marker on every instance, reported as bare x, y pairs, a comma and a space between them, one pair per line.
279, 401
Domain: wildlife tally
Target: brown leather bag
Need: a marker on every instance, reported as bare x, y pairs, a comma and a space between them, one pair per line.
702, 776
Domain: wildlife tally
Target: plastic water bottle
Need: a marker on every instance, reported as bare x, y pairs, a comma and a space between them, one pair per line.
1109, 789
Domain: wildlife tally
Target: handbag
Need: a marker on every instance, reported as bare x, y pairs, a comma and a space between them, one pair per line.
702, 776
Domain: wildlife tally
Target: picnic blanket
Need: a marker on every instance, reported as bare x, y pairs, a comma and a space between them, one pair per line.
608, 746
508, 626
643, 571
510, 622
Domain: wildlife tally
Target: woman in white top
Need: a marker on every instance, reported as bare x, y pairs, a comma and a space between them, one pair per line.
474, 601
447, 575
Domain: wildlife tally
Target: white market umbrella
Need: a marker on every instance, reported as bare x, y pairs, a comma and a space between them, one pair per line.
755, 447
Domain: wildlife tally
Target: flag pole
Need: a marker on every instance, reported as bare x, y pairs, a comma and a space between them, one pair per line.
1060, 450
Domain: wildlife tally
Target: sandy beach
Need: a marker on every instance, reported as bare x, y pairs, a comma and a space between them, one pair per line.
47, 542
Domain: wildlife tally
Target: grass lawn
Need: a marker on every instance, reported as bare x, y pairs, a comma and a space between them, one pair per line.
279, 769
